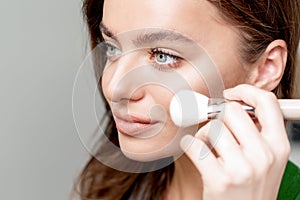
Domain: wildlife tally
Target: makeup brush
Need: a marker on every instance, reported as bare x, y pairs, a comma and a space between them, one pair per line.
189, 108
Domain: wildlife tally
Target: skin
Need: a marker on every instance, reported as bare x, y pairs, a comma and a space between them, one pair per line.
235, 170
208, 29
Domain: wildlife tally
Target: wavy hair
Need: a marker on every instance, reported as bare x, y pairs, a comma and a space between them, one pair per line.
260, 22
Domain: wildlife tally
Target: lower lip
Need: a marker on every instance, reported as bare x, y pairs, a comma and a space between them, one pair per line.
133, 128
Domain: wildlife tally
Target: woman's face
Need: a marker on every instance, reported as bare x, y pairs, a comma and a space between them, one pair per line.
156, 48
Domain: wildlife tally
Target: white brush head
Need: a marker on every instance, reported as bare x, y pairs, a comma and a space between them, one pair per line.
188, 108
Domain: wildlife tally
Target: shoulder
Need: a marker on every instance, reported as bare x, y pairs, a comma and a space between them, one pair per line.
290, 184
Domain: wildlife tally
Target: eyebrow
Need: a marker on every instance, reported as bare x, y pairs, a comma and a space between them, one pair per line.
149, 36
161, 35
104, 29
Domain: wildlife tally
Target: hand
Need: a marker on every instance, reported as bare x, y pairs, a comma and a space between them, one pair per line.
248, 159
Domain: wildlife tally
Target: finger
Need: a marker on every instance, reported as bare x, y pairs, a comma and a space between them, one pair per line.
225, 145
241, 126
266, 107
274, 144
234, 163
202, 157
220, 138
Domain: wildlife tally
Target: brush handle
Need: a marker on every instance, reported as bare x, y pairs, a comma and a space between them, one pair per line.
290, 108
189, 108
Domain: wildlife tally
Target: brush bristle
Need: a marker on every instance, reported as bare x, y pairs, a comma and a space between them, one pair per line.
188, 108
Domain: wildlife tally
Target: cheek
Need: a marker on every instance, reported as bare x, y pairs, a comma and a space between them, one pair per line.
158, 98
197, 80
199, 84
226, 58
233, 73
106, 83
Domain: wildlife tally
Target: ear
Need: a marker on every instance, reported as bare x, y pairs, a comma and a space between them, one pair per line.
271, 65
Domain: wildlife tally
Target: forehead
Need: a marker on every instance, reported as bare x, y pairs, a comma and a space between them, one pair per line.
195, 18
198, 20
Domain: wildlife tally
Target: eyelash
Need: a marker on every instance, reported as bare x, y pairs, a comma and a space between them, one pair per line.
111, 58
164, 67
174, 63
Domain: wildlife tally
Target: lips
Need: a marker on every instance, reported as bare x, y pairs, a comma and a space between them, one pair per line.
133, 125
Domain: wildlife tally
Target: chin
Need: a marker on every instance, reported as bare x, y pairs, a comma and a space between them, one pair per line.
159, 147
152, 156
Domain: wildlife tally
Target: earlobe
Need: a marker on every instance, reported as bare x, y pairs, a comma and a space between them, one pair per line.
272, 65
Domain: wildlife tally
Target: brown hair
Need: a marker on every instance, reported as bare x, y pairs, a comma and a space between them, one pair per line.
260, 22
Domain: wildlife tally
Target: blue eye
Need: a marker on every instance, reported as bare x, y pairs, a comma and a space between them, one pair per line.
112, 52
164, 59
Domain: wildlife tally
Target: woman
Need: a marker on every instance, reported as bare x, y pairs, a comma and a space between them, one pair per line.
249, 46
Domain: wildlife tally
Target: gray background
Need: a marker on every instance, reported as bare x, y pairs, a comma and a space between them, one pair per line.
42, 45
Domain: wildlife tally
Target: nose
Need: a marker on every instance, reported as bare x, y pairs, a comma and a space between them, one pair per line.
120, 81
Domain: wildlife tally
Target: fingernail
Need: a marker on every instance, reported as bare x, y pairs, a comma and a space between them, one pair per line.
226, 92
186, 142
203, 130
229, 93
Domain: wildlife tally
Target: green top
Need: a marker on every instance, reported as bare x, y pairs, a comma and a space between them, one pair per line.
290, 184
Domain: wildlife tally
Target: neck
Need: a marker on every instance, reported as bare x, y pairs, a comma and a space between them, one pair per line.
186, 182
